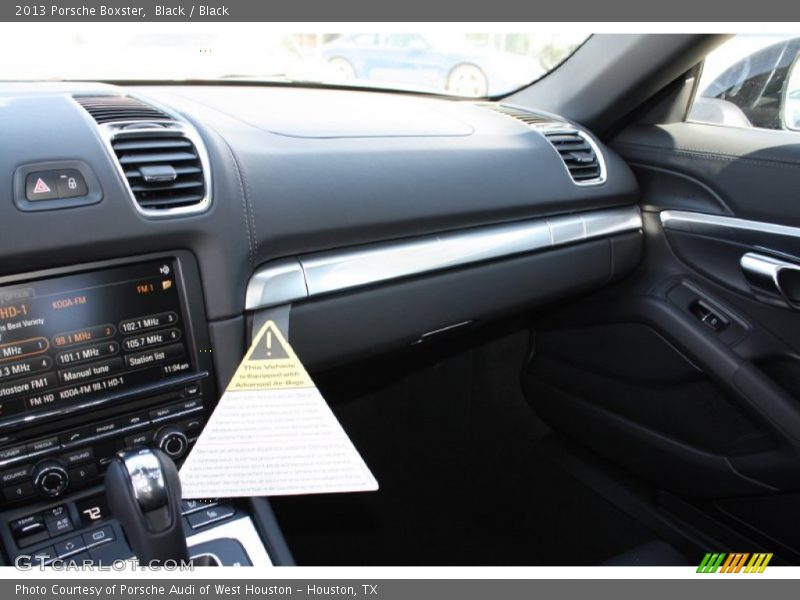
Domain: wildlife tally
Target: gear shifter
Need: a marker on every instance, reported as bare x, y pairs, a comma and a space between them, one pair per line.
144, 494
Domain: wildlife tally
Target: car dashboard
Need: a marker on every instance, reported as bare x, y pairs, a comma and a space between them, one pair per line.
144, 229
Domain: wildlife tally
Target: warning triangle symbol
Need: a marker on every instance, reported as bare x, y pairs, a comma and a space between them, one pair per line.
269, 345
41, 187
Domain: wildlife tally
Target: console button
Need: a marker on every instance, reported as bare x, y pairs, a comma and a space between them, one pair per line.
17, 492
12, 453
57, 512
69, 547
43, 445
98, 536
140, 439
106, 428
70, 183
41, 185
191, 405
192, 424
78, 456
83, 474
208, 516
192, 506
134, 420
27, 526
59, 525
14, 476
161, 412
75, 437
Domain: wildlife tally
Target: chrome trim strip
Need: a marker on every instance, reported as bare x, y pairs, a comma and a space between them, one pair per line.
241, 530
281, 282
700, 223
339, 270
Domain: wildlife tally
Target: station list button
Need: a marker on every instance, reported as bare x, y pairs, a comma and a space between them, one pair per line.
80, 355
155, 338
91, 371
28, 366
30, 385
84, 336
151, 357
165, 319
23, 348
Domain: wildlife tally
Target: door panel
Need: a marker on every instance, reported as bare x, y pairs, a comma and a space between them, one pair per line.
753, 172
686, 373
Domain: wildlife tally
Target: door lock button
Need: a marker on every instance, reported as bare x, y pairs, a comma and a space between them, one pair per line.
70, 183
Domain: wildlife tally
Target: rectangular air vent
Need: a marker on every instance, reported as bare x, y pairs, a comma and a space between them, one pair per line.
164, 169
578, 155
108, 109
526, 116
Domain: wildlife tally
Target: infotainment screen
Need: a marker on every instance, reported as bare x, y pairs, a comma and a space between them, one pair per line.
69, 340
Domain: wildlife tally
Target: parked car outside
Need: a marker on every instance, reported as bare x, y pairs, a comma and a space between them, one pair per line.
412, 59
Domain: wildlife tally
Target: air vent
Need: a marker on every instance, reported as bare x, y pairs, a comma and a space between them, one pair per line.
526, 116
578, 154
164, 169
581, 157
108, 109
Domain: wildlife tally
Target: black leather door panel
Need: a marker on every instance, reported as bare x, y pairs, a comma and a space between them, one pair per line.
706, 406
753, 173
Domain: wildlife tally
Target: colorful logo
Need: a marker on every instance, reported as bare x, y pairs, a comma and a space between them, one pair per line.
736, 562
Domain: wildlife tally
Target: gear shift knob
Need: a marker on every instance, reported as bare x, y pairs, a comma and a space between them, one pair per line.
144, 494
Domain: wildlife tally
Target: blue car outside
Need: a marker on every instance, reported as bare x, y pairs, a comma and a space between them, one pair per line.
413, 61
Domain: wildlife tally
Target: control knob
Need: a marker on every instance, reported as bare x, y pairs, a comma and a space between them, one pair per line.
172, 442
50, 478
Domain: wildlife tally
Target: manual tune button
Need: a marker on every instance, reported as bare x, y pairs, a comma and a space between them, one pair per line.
172, 442
50, 478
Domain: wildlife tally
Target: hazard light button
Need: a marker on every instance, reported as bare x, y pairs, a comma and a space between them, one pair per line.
41, 185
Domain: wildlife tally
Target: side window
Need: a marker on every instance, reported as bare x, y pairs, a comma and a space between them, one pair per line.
751, 81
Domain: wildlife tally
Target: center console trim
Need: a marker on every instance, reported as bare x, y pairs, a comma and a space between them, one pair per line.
241, 530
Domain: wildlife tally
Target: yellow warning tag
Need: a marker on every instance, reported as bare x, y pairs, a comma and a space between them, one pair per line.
270, 364
273, 434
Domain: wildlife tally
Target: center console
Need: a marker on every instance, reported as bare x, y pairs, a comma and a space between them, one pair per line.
93, 360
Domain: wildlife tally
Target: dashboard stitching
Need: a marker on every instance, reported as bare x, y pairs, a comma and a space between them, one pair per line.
249, 199
245, 207
697, 152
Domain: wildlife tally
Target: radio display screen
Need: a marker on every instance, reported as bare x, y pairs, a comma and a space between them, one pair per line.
76, 338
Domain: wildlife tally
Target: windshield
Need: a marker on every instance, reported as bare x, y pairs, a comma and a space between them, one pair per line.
461, 64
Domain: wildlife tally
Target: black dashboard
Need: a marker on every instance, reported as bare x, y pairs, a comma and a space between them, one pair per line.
142, 227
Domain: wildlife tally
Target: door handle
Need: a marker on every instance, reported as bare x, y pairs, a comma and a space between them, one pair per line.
772, 278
